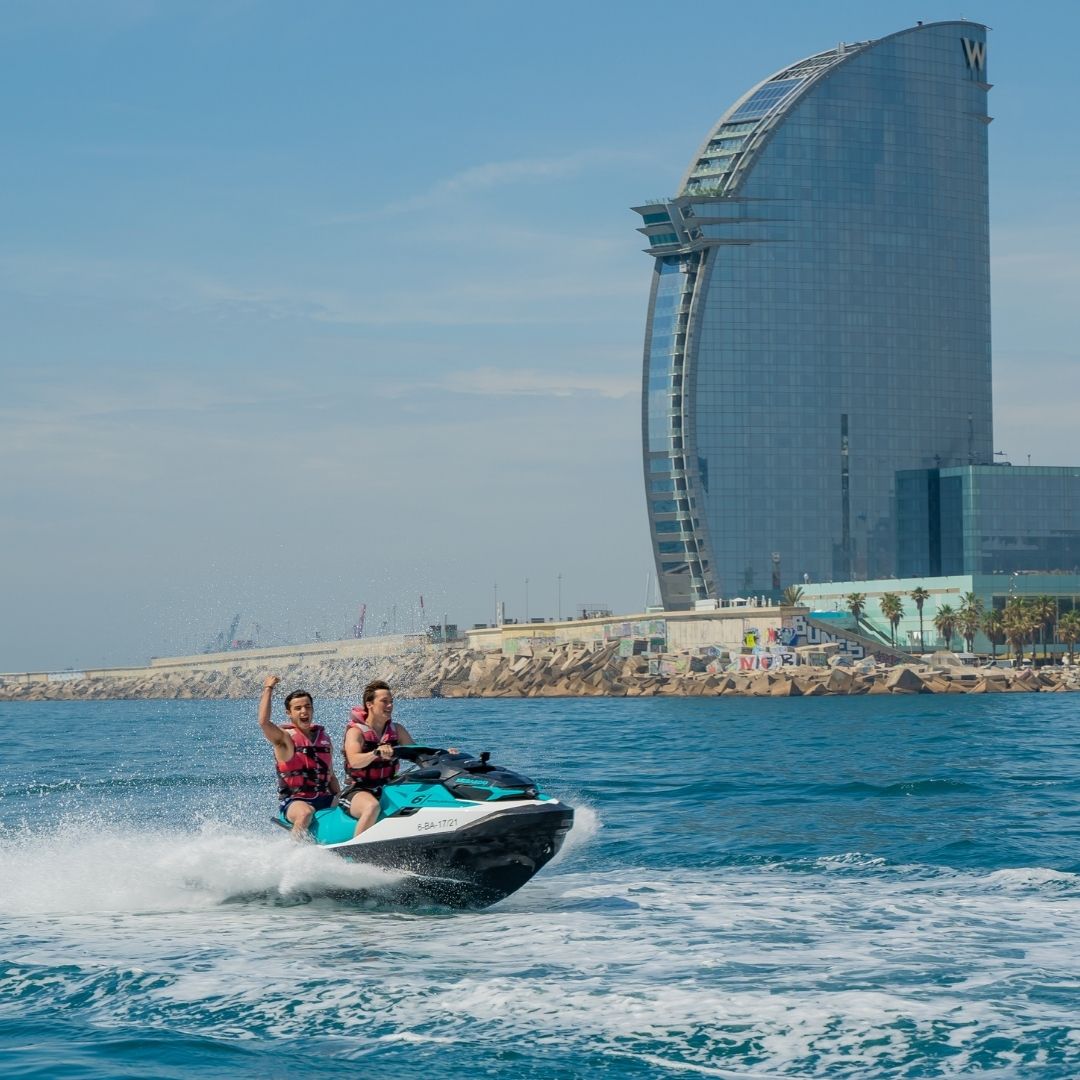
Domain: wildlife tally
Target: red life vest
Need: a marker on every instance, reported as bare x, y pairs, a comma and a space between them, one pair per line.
306, 775
379, 771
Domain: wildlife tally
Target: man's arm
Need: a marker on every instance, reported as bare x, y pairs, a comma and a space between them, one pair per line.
274, 734
355, 756
403, 735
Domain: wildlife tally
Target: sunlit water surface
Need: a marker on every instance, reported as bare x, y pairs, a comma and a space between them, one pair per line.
869, 887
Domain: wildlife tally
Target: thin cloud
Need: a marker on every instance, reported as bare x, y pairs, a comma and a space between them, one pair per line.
1021, 257
491, 175
1048, 267
495, 300
494, 382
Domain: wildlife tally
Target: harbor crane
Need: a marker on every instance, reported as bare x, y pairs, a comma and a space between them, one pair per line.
225, 638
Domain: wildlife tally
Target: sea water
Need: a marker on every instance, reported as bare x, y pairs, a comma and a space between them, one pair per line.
864, 887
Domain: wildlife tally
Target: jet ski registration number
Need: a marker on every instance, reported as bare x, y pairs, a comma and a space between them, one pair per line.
442, 823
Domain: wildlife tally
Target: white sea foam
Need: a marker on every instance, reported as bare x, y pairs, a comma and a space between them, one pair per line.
94, 868
851, 860
587, 824
1038, 878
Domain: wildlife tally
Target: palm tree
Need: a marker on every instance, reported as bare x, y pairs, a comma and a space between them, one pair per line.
1068, 629
969, 621
856, 604
945, 623
970, 618
893, 610
971, 600
920, 596
1018, 624
993, 625
1014, 626
1044, 608
792, 595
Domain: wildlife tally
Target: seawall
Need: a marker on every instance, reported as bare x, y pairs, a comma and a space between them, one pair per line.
420, 669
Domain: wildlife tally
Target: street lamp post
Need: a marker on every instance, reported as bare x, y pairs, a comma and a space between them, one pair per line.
526, 600
496, 622
558, 595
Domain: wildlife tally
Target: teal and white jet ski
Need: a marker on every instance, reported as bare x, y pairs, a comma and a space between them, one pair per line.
463, 832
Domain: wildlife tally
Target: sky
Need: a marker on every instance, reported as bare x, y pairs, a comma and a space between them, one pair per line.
310, 306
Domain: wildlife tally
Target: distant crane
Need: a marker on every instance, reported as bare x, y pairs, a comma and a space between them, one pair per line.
358, 629
225, 638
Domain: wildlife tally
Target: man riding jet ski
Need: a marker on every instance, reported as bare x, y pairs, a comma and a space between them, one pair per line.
462, 832
465, 833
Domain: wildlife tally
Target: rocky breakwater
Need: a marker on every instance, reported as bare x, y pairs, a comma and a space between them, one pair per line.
559, 671
567, 671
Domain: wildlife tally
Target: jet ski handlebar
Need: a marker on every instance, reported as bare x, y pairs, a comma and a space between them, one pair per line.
426, 755
409, 752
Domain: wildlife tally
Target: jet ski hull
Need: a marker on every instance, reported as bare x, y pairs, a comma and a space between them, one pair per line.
474, 865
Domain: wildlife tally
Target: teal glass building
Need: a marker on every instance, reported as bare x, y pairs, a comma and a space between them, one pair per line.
819, 316
988, 519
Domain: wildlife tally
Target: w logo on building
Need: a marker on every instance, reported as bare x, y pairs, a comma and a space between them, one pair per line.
975, 51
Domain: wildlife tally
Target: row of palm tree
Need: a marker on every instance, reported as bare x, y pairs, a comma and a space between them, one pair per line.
967, 618
947, 621
1020, 621
1024, 618
892, 607
1068, 630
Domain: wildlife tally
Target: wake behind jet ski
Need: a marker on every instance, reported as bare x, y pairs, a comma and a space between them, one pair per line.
464, 833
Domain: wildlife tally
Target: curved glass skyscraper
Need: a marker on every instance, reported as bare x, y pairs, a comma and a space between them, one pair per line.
819, 316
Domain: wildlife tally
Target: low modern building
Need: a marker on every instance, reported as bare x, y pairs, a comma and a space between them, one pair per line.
919, 634
988, 519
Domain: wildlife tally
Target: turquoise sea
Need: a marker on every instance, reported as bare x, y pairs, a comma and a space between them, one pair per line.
865, 887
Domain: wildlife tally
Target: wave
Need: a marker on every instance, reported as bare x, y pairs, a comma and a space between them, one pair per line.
89, 866
122, 782
587, 825
1034, 878
900, 788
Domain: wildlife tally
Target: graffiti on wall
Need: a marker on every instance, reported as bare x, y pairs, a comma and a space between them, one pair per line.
764, 659
518, 645
634, 637
796, 630
639, 637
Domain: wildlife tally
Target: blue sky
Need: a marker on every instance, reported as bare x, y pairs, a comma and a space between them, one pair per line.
312, 305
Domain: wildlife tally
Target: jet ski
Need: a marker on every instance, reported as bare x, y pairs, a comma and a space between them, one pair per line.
462, 832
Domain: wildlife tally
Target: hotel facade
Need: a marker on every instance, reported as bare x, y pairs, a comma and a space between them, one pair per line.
819, 317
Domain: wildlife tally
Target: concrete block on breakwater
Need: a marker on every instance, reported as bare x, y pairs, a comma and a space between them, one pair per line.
558, 670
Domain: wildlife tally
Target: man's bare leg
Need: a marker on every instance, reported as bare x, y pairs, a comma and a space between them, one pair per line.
365, 808
300, 814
